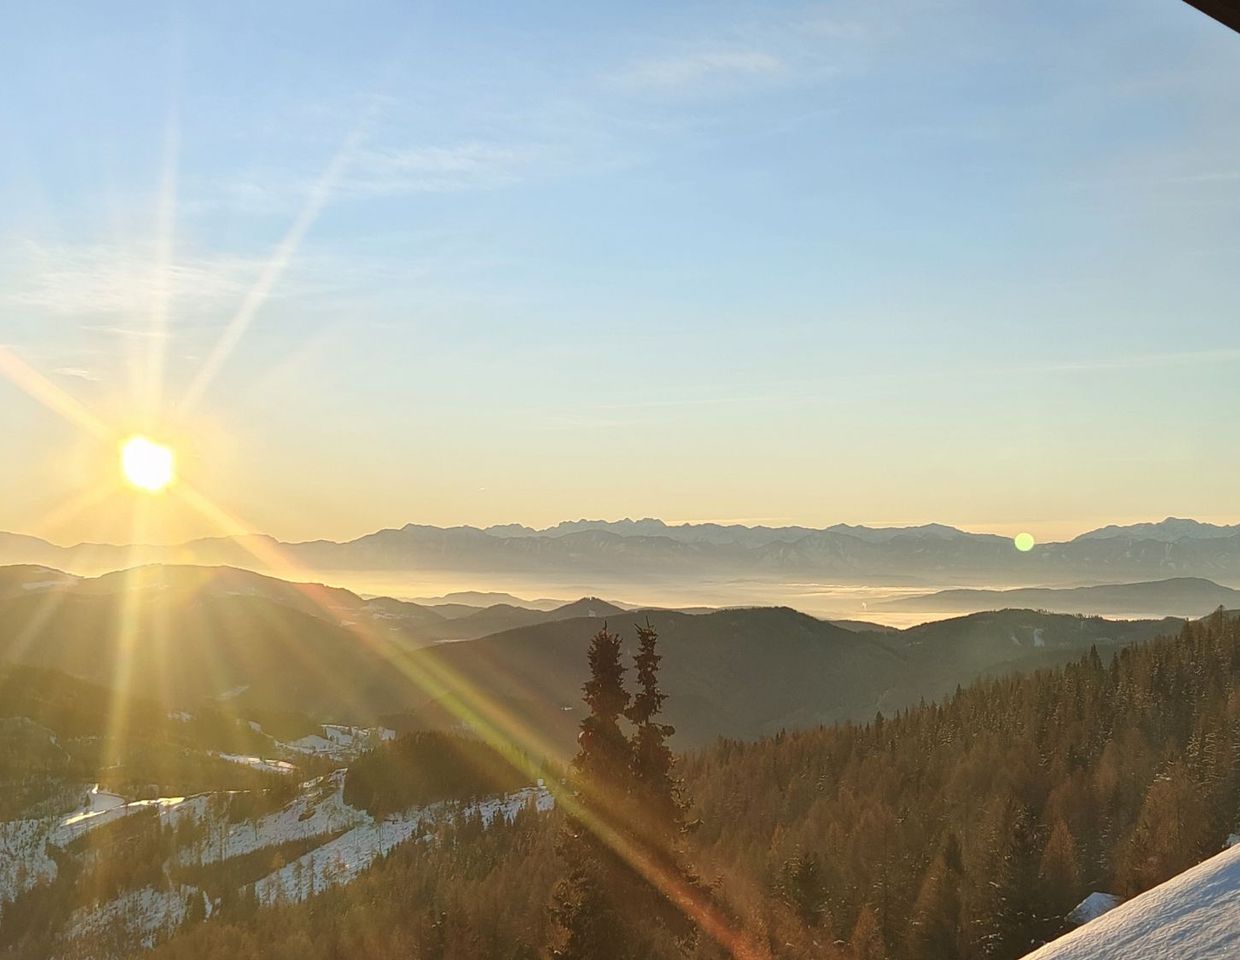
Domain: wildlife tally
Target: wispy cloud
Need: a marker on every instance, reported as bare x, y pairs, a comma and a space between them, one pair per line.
124, 332
464, 166
692, 70
385, 171
77, 373
92, 280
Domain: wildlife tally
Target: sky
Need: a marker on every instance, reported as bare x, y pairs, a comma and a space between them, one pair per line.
384, 262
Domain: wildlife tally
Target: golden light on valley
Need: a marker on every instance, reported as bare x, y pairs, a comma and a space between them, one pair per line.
147, 465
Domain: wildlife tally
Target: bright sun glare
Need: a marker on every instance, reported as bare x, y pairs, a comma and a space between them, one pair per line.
146, 464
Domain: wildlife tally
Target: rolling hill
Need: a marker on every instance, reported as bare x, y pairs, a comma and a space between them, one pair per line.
743, 673
189, 636
1177, 596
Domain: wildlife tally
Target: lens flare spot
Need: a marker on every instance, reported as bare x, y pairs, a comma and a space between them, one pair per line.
147, 465
1024, 542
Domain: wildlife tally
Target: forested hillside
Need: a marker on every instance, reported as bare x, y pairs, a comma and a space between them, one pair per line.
956, 831
212, 640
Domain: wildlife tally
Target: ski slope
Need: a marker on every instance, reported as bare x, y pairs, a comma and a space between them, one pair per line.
1194, 916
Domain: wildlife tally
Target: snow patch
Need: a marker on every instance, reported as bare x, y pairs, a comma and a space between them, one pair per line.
98, 802
341, 742
342, 859
319, 809
1190, 917
142, 915
258, 763
1094, 906
171, 809
24, 862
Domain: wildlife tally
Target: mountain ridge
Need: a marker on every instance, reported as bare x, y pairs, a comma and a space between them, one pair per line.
192, 635
1174, 596
615, 550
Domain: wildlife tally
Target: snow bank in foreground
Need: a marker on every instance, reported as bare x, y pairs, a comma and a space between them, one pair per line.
1195, 916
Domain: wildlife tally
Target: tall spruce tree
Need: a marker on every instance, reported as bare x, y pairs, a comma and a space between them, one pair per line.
657, 808
655, 789
628, 884
585, 905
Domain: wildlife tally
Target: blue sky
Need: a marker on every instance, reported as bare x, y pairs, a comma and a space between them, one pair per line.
954, 261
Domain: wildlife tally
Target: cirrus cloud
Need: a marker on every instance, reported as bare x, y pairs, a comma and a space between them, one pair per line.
690, 70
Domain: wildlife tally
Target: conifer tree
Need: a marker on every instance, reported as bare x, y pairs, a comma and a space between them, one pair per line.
654, 786
1059, 877
867, 938
933, 930
584, 906
803, 889
657, 809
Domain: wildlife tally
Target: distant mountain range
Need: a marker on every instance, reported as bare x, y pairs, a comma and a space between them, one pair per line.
647, 549
257, 646
1171, 530
1178, 596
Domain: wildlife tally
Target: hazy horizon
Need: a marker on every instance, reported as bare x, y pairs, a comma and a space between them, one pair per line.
1003, 530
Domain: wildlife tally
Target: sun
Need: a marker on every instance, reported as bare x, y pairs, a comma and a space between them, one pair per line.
148, 465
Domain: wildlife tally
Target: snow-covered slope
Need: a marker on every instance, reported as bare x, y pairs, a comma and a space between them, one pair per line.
24, 862
1195, 916
342, 859
138, 916
317, 811
344, 842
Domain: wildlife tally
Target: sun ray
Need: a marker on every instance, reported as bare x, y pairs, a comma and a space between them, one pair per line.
283, 254
271, 560
127, 639
70, 509
505, 732
152, 379
47, 393
51, 602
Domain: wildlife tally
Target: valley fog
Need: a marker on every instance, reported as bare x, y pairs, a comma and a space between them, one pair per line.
865, 603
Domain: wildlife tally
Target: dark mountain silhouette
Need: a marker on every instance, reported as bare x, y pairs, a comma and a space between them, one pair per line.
747, 672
